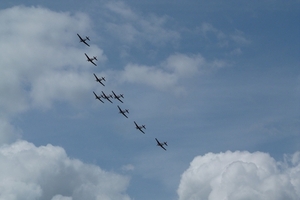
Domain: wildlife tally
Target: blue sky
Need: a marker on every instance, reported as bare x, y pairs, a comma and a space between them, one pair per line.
220, 82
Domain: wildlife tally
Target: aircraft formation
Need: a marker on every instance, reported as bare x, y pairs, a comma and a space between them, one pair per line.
108, 97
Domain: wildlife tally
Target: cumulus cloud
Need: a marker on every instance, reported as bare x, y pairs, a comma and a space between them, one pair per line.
207, 28
167, 74
60, 197
46, 172
241, 175
128, 167
185, 65
38, 45
237, 38
8, 133
152, 76
60, 86
132, 27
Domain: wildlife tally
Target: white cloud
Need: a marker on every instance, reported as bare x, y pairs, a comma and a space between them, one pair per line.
241, 175
224, 40
236, 51
152, 76
46, 172
239, 38
185, 65
121, 9
41, 57
207, 28
133, 28
60, 86
8, 133
168, 74
60, 197
128, 167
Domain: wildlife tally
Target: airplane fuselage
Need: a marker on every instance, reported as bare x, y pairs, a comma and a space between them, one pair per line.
100, 79
91, 59
161, 144
118, 96
140, 128
83, 40
104, 96
98, 97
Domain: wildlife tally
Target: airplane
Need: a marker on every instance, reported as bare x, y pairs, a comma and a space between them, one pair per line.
84, 40
98, 97
100, 79
118, 96
161, 144
123, 111
91, 59
104, 96
140, 127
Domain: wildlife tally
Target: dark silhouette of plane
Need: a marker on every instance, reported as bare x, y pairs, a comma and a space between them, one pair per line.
161, 144
104, 96
98, 97
140, 127
91, 59
100, 79
84, 39
118, 96
123, 111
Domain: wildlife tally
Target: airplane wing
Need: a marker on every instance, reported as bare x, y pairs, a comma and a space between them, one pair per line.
82, 40
159, 144
95, 94
138, 127
114, 94
85, 43
98, 97
96, 77
141, 130
89, 59
119, 99
163, 147
93, 62
109, 100
106, 97
116, 97
124, 114
120, 109
79, 37
98, 80
157, 141
100, 100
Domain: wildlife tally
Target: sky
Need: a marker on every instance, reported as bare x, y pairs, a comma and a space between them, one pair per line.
218, 81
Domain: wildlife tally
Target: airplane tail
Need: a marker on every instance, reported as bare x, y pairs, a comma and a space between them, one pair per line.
165, 143
127, 111
103, 78
144, 126
95, 58
122, 95
87, 38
